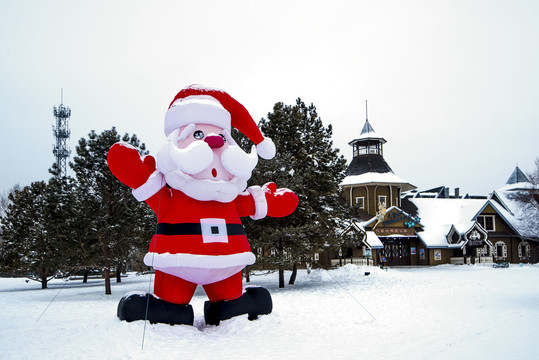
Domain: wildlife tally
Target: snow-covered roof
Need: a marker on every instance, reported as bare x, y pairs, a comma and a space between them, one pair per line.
378, 178
523, 217
373, 241
370, 239
439, 215
519, 186
463, 228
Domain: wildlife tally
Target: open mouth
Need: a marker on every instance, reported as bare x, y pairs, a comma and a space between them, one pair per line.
214, 172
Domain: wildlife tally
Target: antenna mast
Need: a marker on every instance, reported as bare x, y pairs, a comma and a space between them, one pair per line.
61, 134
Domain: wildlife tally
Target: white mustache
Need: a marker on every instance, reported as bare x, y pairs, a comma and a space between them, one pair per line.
191, 160
198, 156
238, 162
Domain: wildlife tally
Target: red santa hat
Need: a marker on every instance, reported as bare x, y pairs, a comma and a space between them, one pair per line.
203, 105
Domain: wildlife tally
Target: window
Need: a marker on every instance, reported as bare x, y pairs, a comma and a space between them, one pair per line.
500, 250
486, 222
382, 199
481, 251
455, 238
524, 250
373, 149
360, 201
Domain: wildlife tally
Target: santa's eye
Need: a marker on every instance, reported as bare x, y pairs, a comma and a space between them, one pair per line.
224, 138
198, 135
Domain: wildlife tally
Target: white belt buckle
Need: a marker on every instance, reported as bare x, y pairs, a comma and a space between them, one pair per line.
214, 231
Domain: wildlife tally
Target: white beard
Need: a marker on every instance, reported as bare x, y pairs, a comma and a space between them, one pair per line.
206, 190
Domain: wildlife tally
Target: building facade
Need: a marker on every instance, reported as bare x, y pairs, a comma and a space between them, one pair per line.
400, 225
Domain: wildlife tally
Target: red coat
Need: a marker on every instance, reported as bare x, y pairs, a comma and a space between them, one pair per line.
199, 241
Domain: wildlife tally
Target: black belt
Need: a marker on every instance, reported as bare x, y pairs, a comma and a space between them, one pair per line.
194, 229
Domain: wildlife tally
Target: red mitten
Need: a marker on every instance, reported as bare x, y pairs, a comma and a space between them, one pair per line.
281, 202
128, 166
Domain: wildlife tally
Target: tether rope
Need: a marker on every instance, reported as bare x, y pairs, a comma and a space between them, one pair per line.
351, 295
50, 303
153, 256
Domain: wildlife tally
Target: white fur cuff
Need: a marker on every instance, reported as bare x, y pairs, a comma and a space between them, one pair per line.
261, 205
155, 182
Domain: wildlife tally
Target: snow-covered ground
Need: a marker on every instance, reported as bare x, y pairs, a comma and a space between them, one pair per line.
443, 312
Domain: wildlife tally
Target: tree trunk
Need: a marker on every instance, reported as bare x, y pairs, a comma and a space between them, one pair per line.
108, 290
43, 274
280, 248
294, 274
85, 279
247, 277
119, 273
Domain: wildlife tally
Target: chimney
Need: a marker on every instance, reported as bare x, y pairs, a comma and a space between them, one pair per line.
457, 193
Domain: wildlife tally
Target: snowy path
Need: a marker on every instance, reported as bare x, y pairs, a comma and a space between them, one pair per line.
443, 312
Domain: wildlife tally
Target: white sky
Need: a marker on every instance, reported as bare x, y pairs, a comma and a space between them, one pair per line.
452, 85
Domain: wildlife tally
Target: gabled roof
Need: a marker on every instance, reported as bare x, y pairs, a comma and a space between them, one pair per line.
502, 212
371, 240
463, 230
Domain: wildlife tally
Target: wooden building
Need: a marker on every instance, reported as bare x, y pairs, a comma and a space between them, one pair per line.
400, 225
373, 188
369, 180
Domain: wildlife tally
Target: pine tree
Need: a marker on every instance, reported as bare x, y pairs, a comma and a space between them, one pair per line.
59, 219
306, 163
109, 218
32, 242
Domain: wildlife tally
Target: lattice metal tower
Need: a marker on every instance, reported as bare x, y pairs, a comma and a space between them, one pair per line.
61, 133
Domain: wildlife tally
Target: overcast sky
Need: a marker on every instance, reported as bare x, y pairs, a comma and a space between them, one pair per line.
453, 86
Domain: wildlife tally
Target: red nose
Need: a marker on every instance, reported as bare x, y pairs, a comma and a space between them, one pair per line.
214, 141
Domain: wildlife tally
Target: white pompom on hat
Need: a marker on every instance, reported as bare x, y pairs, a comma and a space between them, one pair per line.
197, 104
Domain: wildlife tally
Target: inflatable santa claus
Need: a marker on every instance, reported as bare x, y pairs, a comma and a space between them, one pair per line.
198, 190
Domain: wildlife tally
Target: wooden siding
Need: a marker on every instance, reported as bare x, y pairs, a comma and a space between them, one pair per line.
371, 193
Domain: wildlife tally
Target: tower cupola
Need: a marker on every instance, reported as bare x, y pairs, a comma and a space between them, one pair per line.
369, 181
368, 142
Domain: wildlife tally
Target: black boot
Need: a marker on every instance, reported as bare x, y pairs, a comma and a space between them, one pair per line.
255, 301
133, 307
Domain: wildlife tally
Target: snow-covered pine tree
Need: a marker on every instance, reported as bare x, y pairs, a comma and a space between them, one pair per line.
109, 214
31, 244
59, 219
306, 163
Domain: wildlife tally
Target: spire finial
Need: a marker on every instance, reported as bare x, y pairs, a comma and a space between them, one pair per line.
366, 112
